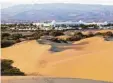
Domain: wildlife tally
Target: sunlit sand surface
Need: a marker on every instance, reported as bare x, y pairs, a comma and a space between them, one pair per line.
90, 58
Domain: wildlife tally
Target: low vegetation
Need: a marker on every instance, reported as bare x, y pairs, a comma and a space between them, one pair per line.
8, 70
6, 43
10, 39
58, 40
108, 34
105, 34
56, 33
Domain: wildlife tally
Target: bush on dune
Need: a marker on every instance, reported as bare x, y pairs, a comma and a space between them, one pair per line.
78, 33
8, 40
5, 35
76, 37
8, 69
109, 33
108, 36
6, 43
37, 35
56, 33
16, 36
6, 64
99, 34
90, 34
57, 40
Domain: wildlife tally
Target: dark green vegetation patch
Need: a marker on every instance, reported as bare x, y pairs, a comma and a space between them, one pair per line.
8, 70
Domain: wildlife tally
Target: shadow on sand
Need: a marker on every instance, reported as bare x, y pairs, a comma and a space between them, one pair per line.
58, 47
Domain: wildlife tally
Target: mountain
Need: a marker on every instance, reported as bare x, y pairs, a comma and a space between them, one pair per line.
57, 11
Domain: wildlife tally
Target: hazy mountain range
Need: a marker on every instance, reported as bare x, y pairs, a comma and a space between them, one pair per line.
58, 12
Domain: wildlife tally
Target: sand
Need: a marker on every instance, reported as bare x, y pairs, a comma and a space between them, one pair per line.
90, 58
96, 31
37, 79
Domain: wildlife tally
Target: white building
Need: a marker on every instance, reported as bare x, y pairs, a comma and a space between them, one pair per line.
96, 23
65, 24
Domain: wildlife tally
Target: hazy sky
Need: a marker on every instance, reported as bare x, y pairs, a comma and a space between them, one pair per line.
14, 2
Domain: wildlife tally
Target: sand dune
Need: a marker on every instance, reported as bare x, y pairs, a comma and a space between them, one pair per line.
93, 59
96, 31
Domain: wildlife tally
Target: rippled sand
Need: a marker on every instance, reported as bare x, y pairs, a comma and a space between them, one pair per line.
90, 58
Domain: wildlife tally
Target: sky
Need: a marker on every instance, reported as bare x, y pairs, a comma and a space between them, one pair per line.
6, 3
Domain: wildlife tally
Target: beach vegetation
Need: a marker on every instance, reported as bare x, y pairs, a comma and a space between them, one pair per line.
8, 70
56, 33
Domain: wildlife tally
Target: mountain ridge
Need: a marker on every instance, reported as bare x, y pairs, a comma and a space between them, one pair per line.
58, 12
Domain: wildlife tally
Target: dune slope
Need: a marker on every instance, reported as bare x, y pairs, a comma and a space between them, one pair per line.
90, 58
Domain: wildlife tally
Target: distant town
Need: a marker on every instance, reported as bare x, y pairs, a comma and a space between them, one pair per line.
56, 25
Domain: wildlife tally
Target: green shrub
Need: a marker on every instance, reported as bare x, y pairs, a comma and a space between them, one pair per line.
56, 33
6, 64
8, 69
6, 43
74, 38
56, 40
16, 36
5, 35
37, 35
64, 41
77, 36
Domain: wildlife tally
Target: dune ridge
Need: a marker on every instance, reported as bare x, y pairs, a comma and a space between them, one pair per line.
90, 58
